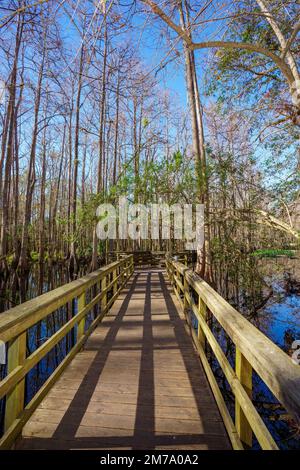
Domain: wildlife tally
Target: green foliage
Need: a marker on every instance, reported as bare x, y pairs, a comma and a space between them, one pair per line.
155, 179
10, 259
178, 159
145, 122
273, 253
247, 75
34, 256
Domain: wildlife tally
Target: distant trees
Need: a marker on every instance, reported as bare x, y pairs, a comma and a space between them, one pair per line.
252, 25
85, 120
282, 56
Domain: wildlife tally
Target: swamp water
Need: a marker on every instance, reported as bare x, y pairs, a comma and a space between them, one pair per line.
278, 317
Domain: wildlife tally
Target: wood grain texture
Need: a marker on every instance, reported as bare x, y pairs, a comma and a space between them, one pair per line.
273, 365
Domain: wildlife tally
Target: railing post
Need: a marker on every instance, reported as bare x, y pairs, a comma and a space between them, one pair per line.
81, 324
122, 268
129, 268
132, 264
174, 279
104, 298
115, 287
171, 273
243, 371
15, 399
185, 302
119, 281
125, 271
203, 312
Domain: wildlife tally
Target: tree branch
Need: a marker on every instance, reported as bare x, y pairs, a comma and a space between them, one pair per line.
281, 64
249, 47
159, 12
21, 10
291, 39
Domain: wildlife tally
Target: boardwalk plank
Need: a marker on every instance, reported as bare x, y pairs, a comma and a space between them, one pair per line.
138, 384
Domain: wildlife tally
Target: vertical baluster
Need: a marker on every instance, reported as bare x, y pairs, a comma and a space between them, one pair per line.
129, 269
98, 292
132, 264
119, 268
185, 302
15, 399
173, 277
81, 323
122, 273
115, 287
185, 290
126, 268
243, 371
104, 298
203, 312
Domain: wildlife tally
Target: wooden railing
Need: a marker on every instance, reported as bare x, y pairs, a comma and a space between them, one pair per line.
152, 258
103, 286
140, 258
253, 351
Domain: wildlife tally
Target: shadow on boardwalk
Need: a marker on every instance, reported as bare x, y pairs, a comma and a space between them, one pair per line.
138, 384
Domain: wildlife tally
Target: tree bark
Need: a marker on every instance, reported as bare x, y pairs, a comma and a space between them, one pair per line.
73, 264
23, 261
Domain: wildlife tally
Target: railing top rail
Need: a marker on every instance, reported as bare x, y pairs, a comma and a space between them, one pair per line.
272, 364
18, 319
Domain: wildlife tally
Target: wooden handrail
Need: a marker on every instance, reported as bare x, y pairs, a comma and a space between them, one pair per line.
253, 351
13, 330
23, 316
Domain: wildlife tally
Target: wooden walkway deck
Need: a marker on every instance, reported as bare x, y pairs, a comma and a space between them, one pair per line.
138, 384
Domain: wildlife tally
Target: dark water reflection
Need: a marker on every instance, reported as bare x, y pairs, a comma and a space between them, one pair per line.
38, 334
278, 316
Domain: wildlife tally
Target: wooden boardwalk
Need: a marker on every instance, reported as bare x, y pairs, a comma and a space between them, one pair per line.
138, 384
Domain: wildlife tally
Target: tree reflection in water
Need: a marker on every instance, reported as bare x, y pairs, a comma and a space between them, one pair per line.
265, 291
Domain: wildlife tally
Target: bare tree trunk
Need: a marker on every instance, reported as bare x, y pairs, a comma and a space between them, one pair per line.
11, 119
70, 169
100, 175
23, 261
281, 39
41, 243
197, 133
16, 240
53, 242
116, 130
73, 265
